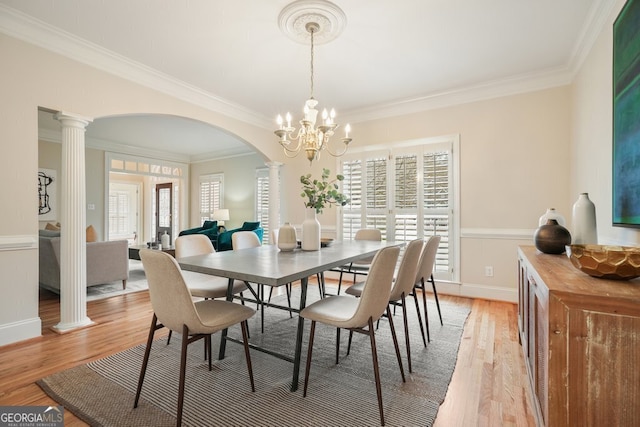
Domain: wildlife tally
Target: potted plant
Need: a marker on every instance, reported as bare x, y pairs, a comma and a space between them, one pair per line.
318, 194
322, 193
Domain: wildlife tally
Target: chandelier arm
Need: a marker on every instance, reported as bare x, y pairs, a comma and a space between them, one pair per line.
292, 150
336, 154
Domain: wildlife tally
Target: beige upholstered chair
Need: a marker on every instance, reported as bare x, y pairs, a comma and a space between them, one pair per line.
203, 285
360, 267
173, 307
359, 314
402, 288
244, 240
425, 274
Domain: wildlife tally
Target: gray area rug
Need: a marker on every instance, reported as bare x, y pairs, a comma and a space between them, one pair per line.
102, 392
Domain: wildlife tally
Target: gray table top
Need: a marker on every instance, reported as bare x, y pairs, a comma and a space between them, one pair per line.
269, 266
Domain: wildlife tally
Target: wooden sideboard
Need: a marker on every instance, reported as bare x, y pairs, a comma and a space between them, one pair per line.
581, 341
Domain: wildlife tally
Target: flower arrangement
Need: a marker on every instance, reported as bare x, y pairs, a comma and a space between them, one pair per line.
322, 193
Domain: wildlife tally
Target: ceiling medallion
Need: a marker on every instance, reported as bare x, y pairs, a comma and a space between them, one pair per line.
294, 18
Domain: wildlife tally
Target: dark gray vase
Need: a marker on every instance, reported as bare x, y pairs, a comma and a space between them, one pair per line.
551, 238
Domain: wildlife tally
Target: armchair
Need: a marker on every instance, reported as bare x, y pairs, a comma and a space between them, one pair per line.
224, 238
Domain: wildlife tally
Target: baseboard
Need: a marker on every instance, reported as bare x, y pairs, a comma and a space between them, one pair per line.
20, 331
467, 290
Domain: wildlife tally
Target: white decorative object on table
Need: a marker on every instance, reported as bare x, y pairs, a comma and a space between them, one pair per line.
287, 239
584, 221
552, 213
310, 231
165, 241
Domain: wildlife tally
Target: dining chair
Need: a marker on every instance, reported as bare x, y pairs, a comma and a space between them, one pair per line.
402, 288
204, 285
425, 274
245, 240
359, 314
174, 308
360, 267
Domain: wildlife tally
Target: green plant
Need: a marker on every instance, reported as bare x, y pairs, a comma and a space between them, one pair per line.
322, 193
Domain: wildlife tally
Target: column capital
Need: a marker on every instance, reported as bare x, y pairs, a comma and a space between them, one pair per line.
274, 164
72, 120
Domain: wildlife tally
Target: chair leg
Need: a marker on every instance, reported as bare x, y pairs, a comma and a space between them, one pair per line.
349, 345
288, 287
406, 330
376, 369
435, 294
424, 304
337, 346
340, 281
183, 368
395, 344
145, 360
169, 337
207, 349
306, 372
415, 299
247, 355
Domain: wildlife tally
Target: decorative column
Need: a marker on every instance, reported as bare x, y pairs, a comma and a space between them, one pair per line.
274, 195
73, 219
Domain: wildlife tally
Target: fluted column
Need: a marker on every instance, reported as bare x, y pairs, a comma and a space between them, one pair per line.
274, 195
73, 219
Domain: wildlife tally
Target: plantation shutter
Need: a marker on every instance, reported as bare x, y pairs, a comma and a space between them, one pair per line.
210, 195
262, 202
405, 192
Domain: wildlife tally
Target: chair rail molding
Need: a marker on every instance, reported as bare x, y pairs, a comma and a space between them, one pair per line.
18, 242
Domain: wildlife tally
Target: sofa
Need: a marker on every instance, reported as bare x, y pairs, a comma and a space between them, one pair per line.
106, 261
222, 240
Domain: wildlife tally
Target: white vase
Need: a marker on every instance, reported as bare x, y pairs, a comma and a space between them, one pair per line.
552, 213
165, 241
584, 221
310, 231
287, 239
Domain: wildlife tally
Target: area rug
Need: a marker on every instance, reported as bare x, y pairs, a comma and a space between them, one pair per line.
102, 392
137, 282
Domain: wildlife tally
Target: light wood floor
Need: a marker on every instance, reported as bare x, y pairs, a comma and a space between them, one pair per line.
489, 386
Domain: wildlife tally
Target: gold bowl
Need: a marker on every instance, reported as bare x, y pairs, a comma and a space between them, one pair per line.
606, 262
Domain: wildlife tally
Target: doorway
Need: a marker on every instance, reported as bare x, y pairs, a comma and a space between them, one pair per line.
164, 211
124, 211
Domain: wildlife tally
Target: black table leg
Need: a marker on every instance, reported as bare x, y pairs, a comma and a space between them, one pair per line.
296, 360
223, 336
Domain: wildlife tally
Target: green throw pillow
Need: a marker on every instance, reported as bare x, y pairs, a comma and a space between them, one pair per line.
250, 226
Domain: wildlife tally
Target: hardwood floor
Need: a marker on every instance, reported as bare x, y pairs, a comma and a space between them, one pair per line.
489, 386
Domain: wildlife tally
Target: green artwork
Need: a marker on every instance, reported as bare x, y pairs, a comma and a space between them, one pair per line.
626, 116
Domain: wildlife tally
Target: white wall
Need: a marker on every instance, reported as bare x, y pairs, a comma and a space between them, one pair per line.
591, 149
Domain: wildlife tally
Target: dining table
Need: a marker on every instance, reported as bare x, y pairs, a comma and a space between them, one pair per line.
267, 265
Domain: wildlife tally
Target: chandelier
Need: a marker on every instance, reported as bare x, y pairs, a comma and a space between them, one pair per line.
313, 136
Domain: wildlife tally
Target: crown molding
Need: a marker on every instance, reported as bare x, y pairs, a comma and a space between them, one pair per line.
26, 28
21, 26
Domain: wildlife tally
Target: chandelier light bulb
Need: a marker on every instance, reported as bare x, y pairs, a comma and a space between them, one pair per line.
347, 129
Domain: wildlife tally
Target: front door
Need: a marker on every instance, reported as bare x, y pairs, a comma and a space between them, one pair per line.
164, 203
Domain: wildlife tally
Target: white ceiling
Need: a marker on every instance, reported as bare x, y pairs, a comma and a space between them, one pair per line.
392, 57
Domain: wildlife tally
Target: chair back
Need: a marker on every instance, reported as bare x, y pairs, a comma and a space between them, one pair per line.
170, 298
244, 240
372, 234
368, 234
274, 236
192, 245
407, 271
377, 287
428, 259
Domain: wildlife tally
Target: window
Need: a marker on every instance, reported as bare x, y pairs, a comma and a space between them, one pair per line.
407, 192
211, 195
262, 202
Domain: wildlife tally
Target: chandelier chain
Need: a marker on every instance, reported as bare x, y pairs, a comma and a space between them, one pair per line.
311, 30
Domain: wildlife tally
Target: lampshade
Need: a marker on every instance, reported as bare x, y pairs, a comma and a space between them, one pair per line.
220, 215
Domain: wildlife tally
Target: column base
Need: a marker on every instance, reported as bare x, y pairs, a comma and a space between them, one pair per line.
63, 328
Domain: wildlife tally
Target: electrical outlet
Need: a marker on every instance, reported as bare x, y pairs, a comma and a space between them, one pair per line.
91, 207
488, 271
